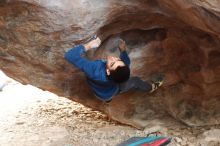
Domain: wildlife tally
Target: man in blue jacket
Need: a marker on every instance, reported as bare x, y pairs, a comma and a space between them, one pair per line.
109, 77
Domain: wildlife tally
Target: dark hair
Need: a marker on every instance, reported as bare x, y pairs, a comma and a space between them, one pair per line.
120, 74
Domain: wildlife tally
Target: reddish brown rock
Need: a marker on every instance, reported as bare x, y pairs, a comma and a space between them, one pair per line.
180, 39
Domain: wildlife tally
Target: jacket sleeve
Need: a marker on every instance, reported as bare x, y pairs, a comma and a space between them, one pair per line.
74, 56
125, 58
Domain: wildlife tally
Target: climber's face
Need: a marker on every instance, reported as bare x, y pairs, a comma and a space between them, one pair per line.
113, 63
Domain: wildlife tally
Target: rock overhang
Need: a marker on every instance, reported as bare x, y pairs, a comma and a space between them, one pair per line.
177, 39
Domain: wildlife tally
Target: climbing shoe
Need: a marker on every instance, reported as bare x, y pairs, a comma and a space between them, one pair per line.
156, 84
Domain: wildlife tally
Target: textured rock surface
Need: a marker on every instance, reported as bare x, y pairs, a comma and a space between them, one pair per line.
180, 39
44, 119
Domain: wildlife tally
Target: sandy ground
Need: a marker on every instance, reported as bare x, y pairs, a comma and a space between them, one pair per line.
32, 117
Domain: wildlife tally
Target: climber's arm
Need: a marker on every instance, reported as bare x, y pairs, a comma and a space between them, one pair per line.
125, 58
123, 54
74, 56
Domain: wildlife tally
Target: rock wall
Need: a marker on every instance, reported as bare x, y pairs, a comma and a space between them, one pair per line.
180, 39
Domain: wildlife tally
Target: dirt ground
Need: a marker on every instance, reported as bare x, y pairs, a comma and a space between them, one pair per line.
32, 117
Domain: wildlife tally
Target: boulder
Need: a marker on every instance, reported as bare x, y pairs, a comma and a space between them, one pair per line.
179, 39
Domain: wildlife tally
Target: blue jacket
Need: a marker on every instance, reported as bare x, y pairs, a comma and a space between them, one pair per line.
95, 72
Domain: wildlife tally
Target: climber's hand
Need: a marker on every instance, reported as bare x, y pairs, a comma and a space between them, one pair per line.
122, 45
93, 44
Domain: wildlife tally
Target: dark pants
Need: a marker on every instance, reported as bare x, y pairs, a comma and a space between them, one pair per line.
135, 83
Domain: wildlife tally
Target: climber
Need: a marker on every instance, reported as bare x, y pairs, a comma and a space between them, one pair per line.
109, 77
